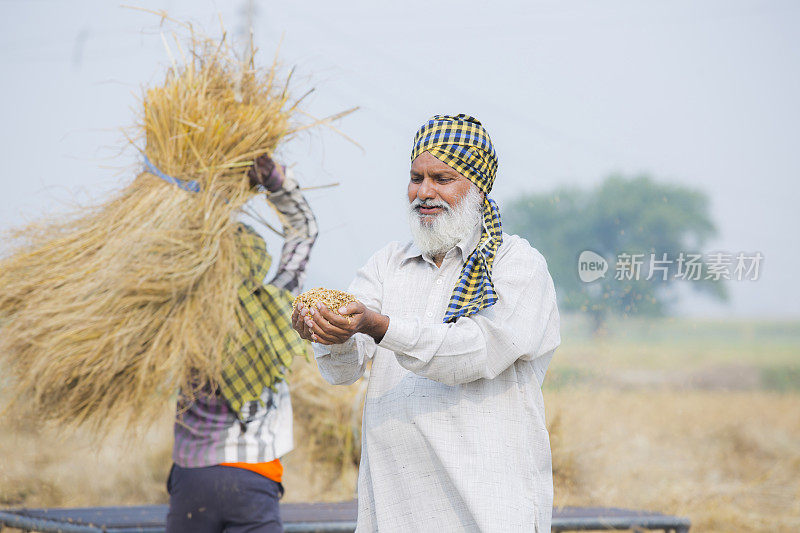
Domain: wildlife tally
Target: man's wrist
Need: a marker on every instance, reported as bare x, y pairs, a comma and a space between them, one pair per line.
375, 325
274, 181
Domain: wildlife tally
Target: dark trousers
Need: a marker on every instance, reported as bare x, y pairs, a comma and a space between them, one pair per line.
214, 499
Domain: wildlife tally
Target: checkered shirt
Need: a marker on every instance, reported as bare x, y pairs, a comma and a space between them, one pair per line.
208, 430
267, 343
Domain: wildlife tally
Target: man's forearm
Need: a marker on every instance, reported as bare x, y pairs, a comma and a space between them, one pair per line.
301, 232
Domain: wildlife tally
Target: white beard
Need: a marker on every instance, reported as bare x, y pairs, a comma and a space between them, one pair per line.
439, 235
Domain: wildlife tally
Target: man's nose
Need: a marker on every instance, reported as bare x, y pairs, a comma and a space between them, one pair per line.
426, 190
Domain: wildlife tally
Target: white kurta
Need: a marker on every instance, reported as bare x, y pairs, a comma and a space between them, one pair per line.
453, 435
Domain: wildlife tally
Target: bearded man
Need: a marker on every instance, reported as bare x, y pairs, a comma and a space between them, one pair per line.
460, 325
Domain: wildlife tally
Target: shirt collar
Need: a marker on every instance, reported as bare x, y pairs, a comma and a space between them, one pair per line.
466, 245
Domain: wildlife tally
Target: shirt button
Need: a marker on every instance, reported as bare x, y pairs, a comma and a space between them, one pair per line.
438, 281
429, 314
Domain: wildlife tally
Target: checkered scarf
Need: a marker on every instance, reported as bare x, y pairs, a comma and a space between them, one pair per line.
462, 143
267, 342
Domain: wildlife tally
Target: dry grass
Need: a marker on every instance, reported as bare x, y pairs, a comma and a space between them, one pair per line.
730, 461
106, 314
48, 466
324, 464
724, 454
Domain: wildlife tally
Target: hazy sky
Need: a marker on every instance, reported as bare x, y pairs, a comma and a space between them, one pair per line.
699, 93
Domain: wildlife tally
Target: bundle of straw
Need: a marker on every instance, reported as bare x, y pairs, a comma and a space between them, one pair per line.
105, 316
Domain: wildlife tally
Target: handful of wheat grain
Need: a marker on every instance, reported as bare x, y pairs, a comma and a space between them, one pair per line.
332, 299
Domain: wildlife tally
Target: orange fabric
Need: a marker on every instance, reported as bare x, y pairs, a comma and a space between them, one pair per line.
272, 470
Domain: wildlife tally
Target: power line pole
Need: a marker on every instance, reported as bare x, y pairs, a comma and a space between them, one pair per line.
249, 12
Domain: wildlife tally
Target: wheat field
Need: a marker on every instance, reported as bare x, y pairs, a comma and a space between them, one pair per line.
698, 419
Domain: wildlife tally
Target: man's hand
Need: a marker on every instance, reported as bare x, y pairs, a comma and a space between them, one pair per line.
266, 172
299, 321
319, 324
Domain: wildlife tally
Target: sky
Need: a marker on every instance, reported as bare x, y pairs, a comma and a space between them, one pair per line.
697, 93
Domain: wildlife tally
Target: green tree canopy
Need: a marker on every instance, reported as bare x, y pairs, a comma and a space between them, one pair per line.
621, 216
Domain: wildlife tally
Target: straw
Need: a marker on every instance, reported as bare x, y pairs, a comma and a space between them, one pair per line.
104, 315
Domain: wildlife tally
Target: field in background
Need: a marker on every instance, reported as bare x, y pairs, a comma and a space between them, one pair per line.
693, 417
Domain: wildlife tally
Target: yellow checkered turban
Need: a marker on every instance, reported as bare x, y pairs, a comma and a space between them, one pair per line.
462, 143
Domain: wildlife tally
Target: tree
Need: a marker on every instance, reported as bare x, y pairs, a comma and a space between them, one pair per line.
618, 220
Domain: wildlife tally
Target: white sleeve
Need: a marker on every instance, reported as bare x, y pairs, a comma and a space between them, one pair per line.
524, 324
343, 364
